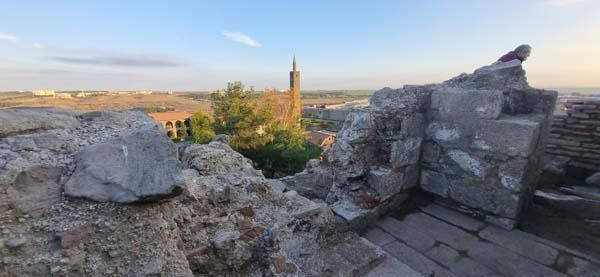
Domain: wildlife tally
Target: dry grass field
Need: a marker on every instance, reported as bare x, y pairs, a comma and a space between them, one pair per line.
181, 102
100, 102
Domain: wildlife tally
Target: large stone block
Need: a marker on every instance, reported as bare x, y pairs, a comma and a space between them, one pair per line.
413, 125
510, 136
468, 164
406, 152
512, 174
446, 133
434, 182
137, 167
487, 195
456, 104
385, 181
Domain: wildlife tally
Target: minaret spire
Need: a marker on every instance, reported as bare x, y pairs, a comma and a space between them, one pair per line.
294, 63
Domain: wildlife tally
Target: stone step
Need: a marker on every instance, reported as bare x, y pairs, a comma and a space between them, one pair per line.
575, 206
416, 260
514, 241
589, 193
441, 231
508, 263
349, 255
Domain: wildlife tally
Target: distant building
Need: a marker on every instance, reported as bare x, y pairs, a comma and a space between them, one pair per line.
43, 92
176, 124
321, 138
63, 95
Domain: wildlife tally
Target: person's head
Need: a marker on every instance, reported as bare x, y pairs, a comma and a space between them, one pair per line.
523, 51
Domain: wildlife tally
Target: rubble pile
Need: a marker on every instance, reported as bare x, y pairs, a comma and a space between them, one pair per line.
105, 193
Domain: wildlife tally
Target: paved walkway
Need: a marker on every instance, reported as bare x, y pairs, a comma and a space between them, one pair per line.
436, 241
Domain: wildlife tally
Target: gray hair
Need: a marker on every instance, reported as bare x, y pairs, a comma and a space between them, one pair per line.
523, 48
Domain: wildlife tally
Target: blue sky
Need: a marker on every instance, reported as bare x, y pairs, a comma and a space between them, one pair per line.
201, 45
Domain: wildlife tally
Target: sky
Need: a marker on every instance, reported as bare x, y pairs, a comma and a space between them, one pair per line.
202, 45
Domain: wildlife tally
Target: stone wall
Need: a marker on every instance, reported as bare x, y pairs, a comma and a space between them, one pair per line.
484, 142
475, 140
576, 134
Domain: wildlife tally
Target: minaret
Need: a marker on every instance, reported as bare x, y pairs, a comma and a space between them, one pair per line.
294, 77
296, 103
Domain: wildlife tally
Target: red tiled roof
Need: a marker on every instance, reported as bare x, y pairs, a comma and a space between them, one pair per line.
317, 138
174, 115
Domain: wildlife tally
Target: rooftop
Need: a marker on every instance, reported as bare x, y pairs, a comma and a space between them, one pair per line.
174, 115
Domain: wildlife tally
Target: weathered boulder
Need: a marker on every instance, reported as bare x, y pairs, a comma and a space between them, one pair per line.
23, 120
136, 167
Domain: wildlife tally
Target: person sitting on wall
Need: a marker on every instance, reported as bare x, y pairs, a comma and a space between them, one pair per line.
520, 53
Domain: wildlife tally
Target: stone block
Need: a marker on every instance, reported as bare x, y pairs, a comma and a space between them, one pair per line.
406, 151
503, 222
470, 165
415, 260
434, 182
520, 244
35, 190
512, 174
413, 125
431, 152
443, 255
580, 115
385, 181
440, 231
444, 133
487, 195
510, 136
467, 267
392, 267
411, 176
454, 104
378, 236
406, 233
508, 263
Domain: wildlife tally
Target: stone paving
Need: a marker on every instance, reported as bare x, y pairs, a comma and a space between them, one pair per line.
436, 241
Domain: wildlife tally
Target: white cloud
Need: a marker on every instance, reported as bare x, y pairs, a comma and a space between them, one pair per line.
8, 37
562, 2
37, 45
241, 38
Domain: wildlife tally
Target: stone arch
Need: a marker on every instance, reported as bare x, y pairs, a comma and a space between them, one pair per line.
178, 124
180, 133
170, 134
169, 125
187, 122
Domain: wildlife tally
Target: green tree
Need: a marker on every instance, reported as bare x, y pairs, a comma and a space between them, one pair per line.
202, 127
239, 116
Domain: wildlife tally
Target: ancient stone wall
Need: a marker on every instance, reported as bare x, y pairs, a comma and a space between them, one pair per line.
576, 134
475, 140
484, 142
